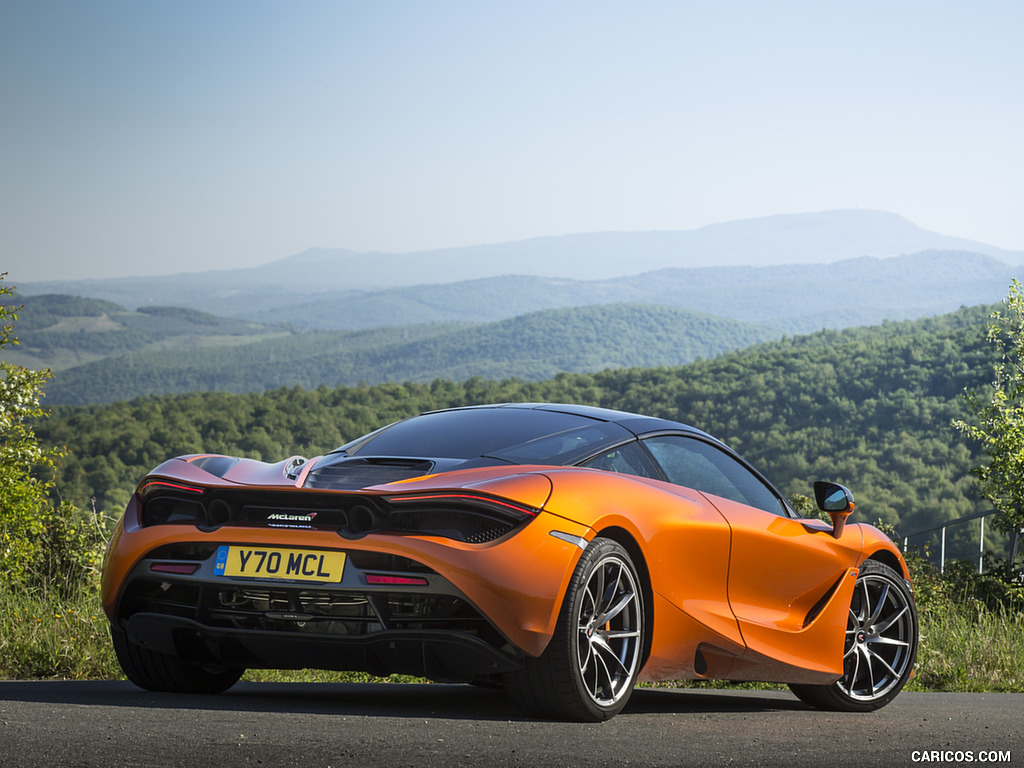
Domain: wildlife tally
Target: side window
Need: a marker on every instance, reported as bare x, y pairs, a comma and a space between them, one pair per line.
702, 466
628, 459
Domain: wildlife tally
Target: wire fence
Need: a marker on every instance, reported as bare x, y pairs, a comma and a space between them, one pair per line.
959, 540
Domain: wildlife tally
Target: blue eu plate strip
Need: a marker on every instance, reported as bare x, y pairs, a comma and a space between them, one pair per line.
222, 559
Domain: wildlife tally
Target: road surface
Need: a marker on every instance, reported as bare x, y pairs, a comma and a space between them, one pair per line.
114, 724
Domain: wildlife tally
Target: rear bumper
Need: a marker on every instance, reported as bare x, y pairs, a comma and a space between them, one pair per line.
513, 585
437, 655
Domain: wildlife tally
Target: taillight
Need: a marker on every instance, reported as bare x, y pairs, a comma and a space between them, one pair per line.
388, 580
152, 486
464, 516
186, 569
164, 502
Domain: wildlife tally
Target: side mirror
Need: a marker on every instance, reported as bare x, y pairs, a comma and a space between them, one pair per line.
837, 501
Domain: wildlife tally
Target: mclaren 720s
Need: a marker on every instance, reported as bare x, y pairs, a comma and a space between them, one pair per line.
562, 552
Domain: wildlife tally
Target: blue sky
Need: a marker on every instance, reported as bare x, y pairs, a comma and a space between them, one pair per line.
150, 137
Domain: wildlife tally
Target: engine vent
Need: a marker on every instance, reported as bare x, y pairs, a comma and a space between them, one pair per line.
354, 473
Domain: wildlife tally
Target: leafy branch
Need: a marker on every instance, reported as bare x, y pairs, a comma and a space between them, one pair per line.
999, 418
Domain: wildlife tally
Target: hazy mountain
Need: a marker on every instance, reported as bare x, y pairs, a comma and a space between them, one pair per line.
812, 238
791, 298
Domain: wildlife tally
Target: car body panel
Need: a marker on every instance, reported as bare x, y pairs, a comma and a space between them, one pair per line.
781, 569
684, 538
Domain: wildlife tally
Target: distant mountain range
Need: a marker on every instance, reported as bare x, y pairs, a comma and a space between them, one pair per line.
102, 352
791, 299
799, 239
589, 305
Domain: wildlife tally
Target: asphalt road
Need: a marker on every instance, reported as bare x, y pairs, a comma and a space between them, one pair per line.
110, 724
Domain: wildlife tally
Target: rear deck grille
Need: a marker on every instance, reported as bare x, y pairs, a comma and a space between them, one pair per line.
297, 609
352, 474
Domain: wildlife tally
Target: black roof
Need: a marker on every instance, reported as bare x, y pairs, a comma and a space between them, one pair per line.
484, 435
513, 432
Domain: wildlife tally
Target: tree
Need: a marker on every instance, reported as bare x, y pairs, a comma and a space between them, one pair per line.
23, 497
1000, 418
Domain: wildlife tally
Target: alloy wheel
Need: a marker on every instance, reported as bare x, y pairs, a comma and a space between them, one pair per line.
609, 635
879, 639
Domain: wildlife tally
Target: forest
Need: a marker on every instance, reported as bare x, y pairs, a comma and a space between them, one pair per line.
143, 360
869, 407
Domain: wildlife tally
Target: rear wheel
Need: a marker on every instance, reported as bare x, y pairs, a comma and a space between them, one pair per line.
589, 668
881, 643
156, 671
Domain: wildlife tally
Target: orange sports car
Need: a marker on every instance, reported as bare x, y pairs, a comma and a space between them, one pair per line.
562, 552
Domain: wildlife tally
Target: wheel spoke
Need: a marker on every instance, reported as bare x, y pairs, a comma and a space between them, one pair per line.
605, 674
617, 635
878, 630
889, 641
585, 651
615, 610
590, 677
870, 670
879, 606
865, 604
589, 608
599, 589
856, 670
608, 593
872, 655
607, 655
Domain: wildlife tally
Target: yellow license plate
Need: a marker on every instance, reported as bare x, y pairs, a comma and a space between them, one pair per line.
272, 563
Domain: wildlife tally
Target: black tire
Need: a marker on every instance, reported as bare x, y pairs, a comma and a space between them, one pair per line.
589, 668
156, 671
881, 644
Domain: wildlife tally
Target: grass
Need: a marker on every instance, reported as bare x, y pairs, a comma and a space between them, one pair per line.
322, 676
970, 648
43, 637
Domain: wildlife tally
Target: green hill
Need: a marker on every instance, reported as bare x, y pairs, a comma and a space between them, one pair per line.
869, 407
62, 332
531, 347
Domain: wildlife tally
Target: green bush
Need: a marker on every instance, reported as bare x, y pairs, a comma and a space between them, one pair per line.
69, 551
23, 496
